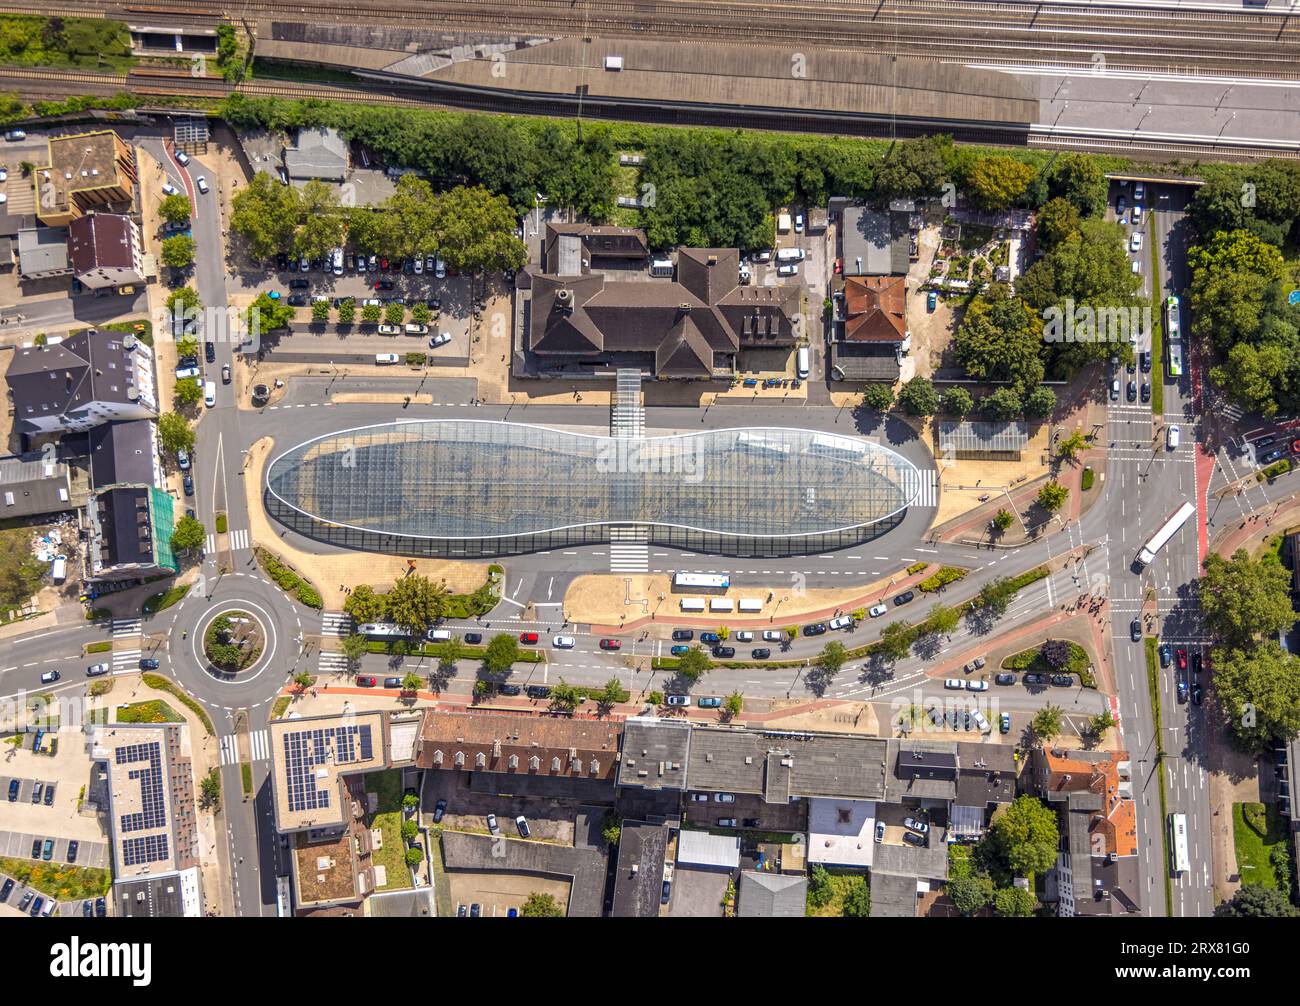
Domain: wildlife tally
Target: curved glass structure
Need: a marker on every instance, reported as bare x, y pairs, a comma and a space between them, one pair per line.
470, 488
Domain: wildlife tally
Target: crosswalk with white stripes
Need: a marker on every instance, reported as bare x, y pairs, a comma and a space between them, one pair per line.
928, 495
239, 539
259, 747
332, 663
335, 623
124, 659
127, 627
629, 550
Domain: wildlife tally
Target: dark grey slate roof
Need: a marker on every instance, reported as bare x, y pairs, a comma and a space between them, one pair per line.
772, 895
655, 753
638, 881
122, 454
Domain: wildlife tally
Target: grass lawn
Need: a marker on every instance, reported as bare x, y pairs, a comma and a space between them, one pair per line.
57, 880
388, 819
1253, 849
152, 711
842, 882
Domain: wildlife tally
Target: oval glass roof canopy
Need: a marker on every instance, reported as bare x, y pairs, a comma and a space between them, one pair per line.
466, 480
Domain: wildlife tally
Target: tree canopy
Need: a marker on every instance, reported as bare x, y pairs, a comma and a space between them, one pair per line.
1245, 599
1026, 836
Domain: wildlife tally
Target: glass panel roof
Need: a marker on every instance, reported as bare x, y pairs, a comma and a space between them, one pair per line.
472, 479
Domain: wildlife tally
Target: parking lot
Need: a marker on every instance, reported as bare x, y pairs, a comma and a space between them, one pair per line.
750, 812
548, 819
68, 772
497, 893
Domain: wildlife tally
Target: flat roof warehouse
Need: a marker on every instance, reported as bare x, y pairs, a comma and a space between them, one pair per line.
473, 487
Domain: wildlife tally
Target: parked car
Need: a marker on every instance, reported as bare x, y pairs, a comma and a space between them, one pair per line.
724, 652
73, 846
95, 670
26, 900
954, 684
1004, 723
392, 682
170, 190
904, 597
1135, 630
726, 822
709, 702
49, 794
1034, 678
187, 483
724, 797
564, 642
912, 838
677, 700
842, 622
876, 610
611, 644
473, 638
744, 636
773, 635
36, 848
441, 339
7, 889
475, 911
492, 824
679, 649
47, 850
13, 790
1063, 680
101, 908
816, 629
539, 691
1166, 654
683, 634
365, 681
709, 637
37, 905
760, 653
916, 824
511, 690
521, 823
439, 809
977, 686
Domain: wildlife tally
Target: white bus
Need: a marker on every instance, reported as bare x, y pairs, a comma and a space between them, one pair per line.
1175, 359
283, 898
701, 581
1179, 863
1167, 530
1173, 320
382, 631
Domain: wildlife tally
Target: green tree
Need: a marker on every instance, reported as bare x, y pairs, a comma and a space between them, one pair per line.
541, 906
420, 313
995, 596
1056, 653
611, 828
958, 402
1100, 723
175, 209
1014, 902
371, 313
303, 679
1026, 836
971, 892
1253, 376
394, 314
265, 214
415, 602
1244, 600
266, 314
918, 397
210, 792
942, 619
997, 182
411, 682
879, 397
734, 703
1000, 339
1258, 690
611, 694
1046, 723
1003, 520
320, 220
175, 433
1079, 179
187, 346
178, 251
820, 888
1052, 496
1002, 405
501, 654
347, 311
1070, 446
187, 535
355, 646
1254, 901
409, 831
476, 231
693, 664
320, 310
1057, 220
895, 639
913, 168
832, 657
188, 392
655, 698
183, 301
365, 605
857, 901
1040, 402
565, 697
413, 857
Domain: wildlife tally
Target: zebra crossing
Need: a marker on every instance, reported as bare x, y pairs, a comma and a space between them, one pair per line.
332, 663
929, 493
1230, 410
259, 747
335, 623
239, 539
123, 627
629, 549
126, 659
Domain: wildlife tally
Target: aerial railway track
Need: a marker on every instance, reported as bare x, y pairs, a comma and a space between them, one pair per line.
43, 83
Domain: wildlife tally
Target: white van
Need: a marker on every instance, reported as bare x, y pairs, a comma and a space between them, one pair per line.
1171, 438
801, 363
789, 255
210, 394
438, 635
385, 358
59, 568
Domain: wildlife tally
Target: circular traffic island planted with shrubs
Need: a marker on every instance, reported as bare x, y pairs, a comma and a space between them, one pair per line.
233, 641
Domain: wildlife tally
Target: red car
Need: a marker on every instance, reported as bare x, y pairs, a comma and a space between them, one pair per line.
837, 267
610, 644
528, 637
1182, 660
365, 682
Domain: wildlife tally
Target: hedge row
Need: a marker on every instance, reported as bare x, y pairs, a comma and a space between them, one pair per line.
289, 581
165, 685
941, 579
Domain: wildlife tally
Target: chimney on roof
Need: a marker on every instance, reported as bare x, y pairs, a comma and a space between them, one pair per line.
713, 260
683, 308
564, 300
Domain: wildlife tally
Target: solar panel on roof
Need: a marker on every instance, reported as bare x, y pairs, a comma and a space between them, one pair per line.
153, 805
306, 750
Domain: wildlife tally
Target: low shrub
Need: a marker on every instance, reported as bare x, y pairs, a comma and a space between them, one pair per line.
1086, 479
916, 567
102, 647
945, 576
